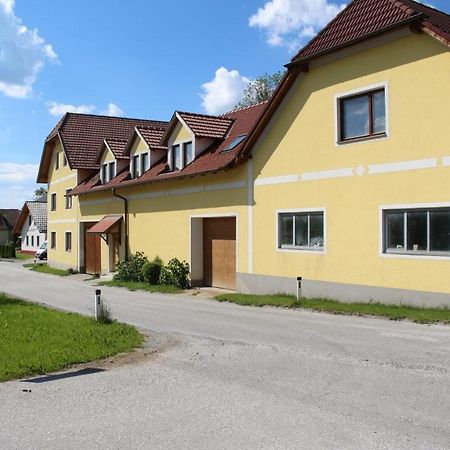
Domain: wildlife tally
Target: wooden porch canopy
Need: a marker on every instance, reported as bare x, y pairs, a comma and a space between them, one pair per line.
107, 225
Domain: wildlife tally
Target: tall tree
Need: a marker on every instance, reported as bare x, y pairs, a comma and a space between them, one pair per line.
40, 192
260, 89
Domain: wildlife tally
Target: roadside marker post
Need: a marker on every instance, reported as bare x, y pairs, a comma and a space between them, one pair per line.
98, 294
299, 288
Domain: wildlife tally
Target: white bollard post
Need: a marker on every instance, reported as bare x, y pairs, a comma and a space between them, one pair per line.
98, 294
299, 288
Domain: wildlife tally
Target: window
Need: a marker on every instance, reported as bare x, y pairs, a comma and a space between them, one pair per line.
362, 116
56, 161
302, 230
53, 239
37, 241
28, 241
417, 231
53, 202
32, 241
68, 199
29, 220
176, 157
64, 160
236, 141
144, 162
188, 153
104, 174
111, 171
68, 241
135, 173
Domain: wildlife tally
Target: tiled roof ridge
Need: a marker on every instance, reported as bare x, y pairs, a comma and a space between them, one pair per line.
422, 5
242, 108
209, 116
104, 116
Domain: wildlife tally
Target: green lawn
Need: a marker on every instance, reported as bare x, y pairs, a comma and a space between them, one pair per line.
23, 256
38, 340
44, 268
392, 312
139, 286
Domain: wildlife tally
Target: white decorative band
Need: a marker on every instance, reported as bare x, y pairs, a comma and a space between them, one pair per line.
60, 180
403, 165
324, 174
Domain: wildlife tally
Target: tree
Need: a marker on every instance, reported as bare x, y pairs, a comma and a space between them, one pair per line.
260, 89
40, 192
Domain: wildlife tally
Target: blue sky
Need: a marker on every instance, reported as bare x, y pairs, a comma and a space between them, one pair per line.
137, 59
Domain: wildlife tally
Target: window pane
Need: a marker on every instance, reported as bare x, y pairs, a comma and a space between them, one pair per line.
287, 235
440, 231
188, 153
355, 117
135, 166
378, 112
416, 233
104, 173
144, 162
111, 171
395, 231
316, 230
301, 230
177, 157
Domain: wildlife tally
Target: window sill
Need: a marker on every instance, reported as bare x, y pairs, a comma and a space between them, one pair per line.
311, 250
355, 140
417, 255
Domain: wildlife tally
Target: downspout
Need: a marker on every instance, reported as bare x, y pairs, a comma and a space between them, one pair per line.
126, 220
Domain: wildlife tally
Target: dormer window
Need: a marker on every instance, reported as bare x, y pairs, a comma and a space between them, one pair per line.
144, 163
177, 162
108, 172
135, 168
188, 153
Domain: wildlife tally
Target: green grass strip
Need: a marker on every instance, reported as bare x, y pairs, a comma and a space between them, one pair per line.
37, 340
139, 286
44, 268
392, 312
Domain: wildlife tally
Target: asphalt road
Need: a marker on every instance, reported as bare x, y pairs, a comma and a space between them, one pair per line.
232, 377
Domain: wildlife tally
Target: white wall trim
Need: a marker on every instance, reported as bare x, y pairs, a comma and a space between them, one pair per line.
325, 174
62, 221
402, 166
61, 180
282, 179
250, 197
300, 251
446, 161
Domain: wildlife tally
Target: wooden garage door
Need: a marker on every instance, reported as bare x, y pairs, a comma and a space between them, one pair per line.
219, 252
92, 249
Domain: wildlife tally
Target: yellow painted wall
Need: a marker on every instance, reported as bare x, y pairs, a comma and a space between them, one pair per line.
301, 139
107, 157
139, 146
62, 219
180, 134
159, 222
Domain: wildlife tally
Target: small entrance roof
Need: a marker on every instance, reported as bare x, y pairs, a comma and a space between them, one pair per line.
107, 225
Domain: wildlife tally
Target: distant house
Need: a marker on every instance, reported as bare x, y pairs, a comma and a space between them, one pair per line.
8, 217
31, 224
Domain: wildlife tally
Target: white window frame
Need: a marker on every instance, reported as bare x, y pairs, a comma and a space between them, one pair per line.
361, 90
411, 254
301, 250
65, 241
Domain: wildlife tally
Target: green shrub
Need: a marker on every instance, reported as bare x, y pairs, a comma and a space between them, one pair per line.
8, 250
152, 270
131, 270
176, 273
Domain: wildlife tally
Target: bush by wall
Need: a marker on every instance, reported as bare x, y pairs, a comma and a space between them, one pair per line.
131, 270
152, 270
176, 273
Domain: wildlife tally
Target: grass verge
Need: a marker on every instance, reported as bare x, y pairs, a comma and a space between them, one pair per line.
139, 286
37, 340
392, 312
23, 256
44, 268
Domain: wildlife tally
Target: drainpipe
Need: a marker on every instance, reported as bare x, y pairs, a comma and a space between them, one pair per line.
126, 220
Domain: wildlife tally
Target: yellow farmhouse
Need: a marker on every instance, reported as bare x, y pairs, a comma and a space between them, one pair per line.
340, 180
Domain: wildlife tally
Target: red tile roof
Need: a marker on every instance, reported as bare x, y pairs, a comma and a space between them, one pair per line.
364, 18
83, 135
105, 225
117, 147
152, 136
213, 159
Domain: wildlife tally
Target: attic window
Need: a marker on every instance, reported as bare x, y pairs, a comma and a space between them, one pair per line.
236, 141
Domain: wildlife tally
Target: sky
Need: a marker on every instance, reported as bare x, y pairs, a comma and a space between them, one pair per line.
138, 58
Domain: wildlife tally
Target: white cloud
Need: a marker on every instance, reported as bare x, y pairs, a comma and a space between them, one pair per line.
224, 91
23, 53
59, 109
112, 110
289, 23
17, 184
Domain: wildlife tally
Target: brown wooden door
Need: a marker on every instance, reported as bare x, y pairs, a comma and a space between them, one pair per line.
219, 252
92, 250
